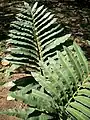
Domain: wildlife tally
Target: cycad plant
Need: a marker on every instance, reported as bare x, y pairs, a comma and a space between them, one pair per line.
62, 87
34, 36
62, 92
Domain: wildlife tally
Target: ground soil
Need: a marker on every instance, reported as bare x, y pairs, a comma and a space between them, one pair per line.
4, 104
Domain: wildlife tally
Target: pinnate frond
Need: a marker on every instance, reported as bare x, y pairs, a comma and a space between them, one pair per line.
33, 36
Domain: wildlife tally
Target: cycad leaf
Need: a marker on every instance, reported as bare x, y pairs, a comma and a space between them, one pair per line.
46, 84
86, 85
81, 104
41, 95
66, 66
74, 62
33, 35
81, 108
43, 117
85, 92
83, 100
81, 58
56, 42
77, 115
20, 113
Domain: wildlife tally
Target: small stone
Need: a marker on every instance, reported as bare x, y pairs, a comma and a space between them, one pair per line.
9, 84
79, 33
5, 62
61, 16
10, 98
73, 20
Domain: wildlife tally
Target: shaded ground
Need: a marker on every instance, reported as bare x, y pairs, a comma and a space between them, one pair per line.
74, 18
4, 104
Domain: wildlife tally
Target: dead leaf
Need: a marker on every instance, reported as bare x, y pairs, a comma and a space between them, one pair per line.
4, 62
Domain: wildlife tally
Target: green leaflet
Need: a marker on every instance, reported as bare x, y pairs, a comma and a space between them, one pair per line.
55, 43
46, 84
28, 88
40, 14
49, 33
81, 108
20, 113
83, 100
78, 115
24, 114
86, 85
38, 10
11, 69
70, 71
85, 92
44, 101
41, 95
43, 117
82, 59
17, 33
75, 63
34, 7
40, 117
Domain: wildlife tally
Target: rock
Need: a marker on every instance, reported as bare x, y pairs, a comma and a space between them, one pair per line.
9, 84
10, 98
